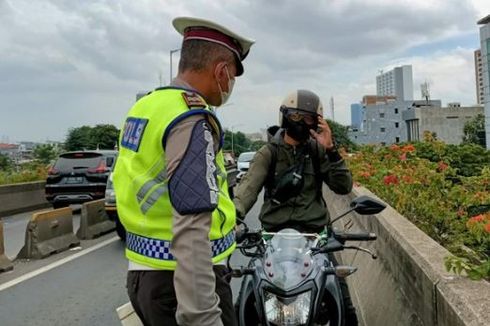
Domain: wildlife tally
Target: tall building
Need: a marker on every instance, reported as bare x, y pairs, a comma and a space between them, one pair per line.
396, 82
485, 58
479, 77
356, 115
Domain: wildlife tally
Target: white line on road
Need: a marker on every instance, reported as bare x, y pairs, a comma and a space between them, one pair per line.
60, 262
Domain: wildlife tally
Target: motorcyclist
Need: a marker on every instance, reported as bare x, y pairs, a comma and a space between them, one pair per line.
300, 156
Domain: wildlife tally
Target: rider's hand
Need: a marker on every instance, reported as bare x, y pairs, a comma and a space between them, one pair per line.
324, 137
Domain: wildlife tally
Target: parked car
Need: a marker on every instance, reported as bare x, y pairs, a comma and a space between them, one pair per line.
243, 164
78, 177
111, 208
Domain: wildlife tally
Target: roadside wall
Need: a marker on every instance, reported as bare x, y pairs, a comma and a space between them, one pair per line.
22, 197
407, 284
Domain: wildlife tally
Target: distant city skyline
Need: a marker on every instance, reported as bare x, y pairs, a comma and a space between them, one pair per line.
83, 63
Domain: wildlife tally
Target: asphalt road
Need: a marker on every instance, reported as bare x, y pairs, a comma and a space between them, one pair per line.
83, 291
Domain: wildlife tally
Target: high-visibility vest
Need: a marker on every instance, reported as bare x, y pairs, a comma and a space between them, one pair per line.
141, 183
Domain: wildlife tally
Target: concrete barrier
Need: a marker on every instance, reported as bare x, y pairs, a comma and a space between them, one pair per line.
407, 284
22, 197
127, 316
94, 220
49, 232
5, 263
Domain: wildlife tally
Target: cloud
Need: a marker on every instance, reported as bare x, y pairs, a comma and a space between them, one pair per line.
68, 63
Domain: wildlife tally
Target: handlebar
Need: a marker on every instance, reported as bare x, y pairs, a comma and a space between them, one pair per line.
358, 236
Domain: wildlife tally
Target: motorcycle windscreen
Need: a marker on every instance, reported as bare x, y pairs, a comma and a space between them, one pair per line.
287, 261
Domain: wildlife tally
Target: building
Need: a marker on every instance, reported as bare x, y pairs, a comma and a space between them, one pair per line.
382, 121
396, 82
447, 123
356, 115
479, 77
485, 58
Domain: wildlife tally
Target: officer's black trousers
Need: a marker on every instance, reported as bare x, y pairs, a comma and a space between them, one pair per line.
153, 297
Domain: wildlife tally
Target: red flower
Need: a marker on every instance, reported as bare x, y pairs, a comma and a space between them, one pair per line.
475, 219
403, 157
408, 148
390, 179
395, 147
365, 174
487, 227
441, 166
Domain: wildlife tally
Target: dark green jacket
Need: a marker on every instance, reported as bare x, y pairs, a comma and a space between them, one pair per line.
307, 209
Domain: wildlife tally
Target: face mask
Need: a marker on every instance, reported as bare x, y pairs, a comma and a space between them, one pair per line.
226, 95
299, 131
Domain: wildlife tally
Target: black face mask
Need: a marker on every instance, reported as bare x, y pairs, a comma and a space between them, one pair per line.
299, 131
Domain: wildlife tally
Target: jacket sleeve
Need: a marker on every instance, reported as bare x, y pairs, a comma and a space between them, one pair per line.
250, 186
187, 147
335, 172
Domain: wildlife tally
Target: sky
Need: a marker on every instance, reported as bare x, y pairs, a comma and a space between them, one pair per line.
64, 64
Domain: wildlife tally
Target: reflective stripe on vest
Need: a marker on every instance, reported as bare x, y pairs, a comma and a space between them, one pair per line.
160, 249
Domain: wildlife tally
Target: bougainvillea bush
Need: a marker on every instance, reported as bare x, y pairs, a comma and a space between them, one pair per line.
449, 207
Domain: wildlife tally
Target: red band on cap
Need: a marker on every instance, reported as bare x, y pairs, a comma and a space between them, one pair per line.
215, 36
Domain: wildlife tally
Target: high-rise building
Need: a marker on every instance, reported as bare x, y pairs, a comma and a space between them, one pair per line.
485, 58
396, 82
479, 77
356, 115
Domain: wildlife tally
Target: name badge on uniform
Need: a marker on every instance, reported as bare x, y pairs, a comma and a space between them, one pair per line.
133, 133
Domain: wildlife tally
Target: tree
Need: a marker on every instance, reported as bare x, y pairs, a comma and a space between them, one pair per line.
45, 153
340, 135
239, 141
5, 163
101, 136
474, 131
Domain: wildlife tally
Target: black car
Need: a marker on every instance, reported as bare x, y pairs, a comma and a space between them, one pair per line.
78, 177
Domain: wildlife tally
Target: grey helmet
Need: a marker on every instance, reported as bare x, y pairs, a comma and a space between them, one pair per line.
300, 100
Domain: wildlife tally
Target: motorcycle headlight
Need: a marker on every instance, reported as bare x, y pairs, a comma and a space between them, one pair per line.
287, 311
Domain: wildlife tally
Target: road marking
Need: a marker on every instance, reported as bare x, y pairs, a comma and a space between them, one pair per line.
60, 262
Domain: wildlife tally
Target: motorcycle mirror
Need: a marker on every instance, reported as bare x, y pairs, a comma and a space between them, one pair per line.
344, 271
365, 205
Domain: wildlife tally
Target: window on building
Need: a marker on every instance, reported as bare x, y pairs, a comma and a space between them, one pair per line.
396, 110
397, 139
381, 115
382, 129
397, 125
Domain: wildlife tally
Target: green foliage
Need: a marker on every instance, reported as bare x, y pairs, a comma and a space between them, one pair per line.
468, 159
433, 195
5, 163
239, 141
101, 136
256, 145
474, 131
28, 172
340, 135
45, 153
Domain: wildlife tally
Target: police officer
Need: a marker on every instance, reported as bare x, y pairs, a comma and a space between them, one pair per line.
171, 187
292, 167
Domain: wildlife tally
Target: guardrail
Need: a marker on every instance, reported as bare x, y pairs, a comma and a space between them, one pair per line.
22, 197
407, 284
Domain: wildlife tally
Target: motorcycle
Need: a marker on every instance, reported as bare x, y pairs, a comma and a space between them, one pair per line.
291, 278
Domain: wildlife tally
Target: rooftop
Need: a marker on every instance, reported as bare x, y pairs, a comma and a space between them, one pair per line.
484, 20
